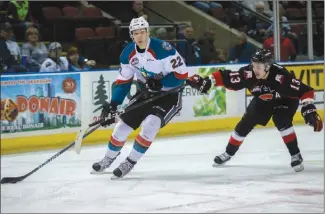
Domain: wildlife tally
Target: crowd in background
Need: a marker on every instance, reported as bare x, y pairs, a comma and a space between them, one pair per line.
23, 49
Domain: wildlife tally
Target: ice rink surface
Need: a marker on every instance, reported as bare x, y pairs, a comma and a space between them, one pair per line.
175, 175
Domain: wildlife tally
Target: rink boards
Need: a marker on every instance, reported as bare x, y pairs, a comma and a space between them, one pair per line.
41, 111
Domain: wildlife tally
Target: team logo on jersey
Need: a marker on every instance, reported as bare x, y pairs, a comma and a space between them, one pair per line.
167, 46
279, 78
256, 88
134, 61
248, 74
266, 97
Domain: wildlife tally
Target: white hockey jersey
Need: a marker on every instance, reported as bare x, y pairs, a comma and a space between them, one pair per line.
160, 60
51, 66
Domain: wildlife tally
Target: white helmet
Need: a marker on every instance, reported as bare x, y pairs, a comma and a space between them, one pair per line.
138, 23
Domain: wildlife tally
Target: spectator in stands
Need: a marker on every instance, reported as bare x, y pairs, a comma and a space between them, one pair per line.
221, 56
238, 21
285, 28
258, 6
186, 49
138, 9
35, 51
19, 15
287, 49
207, 48
206, 5
284, 24
55, 62
8, 62
145, 16
13, 47
243, 51
162, 33
257, 28
77, 62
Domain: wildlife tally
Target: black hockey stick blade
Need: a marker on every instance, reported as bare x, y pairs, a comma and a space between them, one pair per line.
11, 180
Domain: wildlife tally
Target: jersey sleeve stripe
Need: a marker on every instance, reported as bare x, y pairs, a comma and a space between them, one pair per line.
131, 54
152, 53
218, 77
307, 96
123, 81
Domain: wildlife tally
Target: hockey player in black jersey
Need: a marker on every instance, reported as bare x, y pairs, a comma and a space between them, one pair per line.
276, 94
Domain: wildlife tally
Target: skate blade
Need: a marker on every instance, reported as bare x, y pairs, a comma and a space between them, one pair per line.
299, 168
216, 165
116, 178
100, 173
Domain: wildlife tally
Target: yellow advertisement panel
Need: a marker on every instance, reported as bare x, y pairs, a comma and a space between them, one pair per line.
312, 75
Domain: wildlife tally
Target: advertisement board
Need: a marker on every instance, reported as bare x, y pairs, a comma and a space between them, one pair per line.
40, 102
196, 106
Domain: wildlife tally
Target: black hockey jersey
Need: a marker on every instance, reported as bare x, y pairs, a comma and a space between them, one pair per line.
280, 83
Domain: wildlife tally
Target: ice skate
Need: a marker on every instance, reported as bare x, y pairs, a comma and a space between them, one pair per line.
220, 160
100, 166
124, 168
296, 162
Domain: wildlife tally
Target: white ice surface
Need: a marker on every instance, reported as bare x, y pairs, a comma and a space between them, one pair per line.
175, 175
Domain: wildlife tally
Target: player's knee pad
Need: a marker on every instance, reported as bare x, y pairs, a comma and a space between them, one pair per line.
150, 127
121, 131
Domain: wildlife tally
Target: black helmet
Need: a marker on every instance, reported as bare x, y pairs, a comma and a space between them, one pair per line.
263, 56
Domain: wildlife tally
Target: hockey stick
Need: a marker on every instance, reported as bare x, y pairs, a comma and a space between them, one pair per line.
13, 180
126, 109
79, 137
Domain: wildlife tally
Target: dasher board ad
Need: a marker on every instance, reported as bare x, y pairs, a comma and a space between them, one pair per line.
40, 102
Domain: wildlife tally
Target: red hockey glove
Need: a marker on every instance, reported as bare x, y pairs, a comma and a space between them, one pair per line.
308, 111
203, 85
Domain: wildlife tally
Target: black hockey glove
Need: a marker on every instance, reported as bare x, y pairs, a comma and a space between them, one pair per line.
308, 111
203, 85
154, 84
108, 114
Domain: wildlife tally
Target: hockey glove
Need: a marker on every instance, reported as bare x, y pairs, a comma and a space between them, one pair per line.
203, 85
308, 111
154, 84
108, 114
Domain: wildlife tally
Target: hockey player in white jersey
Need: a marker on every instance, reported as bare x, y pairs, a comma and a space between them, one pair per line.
159, 67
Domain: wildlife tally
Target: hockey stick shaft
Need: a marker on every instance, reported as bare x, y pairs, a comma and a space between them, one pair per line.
20, 178
143, 103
